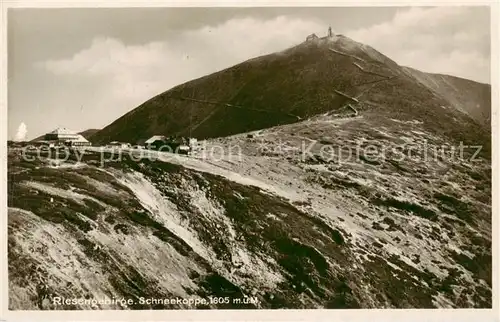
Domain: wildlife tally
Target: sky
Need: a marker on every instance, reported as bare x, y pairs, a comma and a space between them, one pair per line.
84, 68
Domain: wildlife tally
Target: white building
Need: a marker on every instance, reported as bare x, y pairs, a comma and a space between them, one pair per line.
66, 137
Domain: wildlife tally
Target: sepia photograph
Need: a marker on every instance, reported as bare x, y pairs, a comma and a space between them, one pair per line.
257, 158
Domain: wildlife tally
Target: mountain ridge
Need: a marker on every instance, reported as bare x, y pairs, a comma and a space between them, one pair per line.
300, 82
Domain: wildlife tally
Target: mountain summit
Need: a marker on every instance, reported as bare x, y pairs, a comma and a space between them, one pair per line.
317, 76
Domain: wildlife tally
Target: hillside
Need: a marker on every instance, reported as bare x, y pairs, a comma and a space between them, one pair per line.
270, 225
350, 192
300, 82
468, 96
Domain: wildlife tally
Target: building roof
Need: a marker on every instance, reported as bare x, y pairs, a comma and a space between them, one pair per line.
155, 138
63, 130
79, 138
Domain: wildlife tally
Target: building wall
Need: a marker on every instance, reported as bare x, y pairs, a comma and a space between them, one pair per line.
80, 143
61, 137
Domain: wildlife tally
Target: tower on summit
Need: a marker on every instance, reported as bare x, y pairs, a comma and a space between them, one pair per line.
330, 34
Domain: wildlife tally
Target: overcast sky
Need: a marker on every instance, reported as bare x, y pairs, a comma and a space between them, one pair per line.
84, 68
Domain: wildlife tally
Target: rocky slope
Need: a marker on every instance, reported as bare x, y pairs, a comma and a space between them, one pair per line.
274, 226
86, 134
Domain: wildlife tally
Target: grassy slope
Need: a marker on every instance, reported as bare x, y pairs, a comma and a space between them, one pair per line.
298, 81
86, 134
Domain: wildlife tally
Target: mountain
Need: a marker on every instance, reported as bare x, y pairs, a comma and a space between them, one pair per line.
303, 81
88, 133
41, 137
